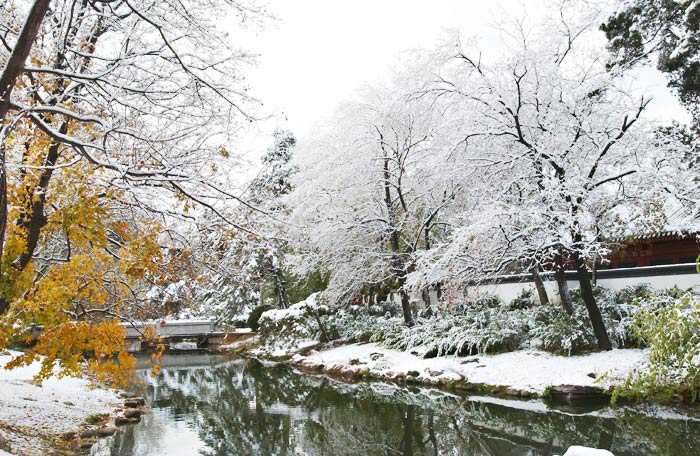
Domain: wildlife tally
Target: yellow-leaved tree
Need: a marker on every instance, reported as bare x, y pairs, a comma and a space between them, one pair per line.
93, 259
112, 119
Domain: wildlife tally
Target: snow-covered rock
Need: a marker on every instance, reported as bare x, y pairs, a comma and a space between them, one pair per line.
184, 346
585, 451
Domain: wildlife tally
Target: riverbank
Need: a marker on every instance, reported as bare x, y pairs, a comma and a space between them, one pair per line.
524, 373
519, 373
36, 417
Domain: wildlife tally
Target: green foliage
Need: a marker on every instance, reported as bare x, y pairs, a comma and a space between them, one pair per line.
300, 288
356, 325
561, 333
669, 325
486, 301
487, 325
668, 29
474, 328
478, 331
254, 316
558, 332
634, 293
524, 300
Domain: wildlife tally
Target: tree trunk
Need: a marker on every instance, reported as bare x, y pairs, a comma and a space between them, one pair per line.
427, 237
397, 264
584, 280
34, 221
324, 334
594, 270
562, 286
280, 287
539, 285
15, 64
370, 299
406, 308
8, 79
425, 295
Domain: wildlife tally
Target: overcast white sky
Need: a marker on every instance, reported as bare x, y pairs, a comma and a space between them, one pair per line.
320, 51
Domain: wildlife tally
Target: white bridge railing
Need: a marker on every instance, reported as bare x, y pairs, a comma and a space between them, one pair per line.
172, 328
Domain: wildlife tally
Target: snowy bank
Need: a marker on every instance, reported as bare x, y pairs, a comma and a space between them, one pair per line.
31, 413
525, 370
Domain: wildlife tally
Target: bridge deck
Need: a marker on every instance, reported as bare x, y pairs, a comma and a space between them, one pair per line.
170, 329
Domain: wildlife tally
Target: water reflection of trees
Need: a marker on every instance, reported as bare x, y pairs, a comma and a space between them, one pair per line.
240, 409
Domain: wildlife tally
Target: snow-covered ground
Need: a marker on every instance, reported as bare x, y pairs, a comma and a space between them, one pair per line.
31, 412
526, 370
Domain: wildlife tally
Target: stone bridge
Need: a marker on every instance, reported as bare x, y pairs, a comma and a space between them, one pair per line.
201, 333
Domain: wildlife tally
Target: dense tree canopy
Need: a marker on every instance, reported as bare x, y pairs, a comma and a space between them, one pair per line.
669, 32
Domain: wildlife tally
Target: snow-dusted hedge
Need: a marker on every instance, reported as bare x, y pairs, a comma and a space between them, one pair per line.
669, 325
355, 324
484, 326
553, 330
469, 332
489, 325
286, 328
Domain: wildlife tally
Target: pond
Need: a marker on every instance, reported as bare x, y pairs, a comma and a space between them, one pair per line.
208, 405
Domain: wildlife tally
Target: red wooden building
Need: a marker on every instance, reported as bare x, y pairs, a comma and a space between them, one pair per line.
669, 247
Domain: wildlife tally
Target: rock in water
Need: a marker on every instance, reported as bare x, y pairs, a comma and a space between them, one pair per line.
134, 402
4, 446
585, 451
132, 413
106, 431
578, 393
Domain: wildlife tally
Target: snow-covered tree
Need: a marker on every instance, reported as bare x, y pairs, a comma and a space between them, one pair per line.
371, 190
266, 191
558, 149
240, 260
275, 177
667, 31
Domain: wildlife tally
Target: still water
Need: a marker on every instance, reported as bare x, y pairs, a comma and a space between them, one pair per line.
207, 405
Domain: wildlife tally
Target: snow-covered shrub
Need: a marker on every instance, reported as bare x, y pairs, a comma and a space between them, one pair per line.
485, 330
487, 325
669, 325
356, 325
467, 330
385, 308
254, 317
285, 329
634, 293
524, 300
619, 317
553, 330
480, 302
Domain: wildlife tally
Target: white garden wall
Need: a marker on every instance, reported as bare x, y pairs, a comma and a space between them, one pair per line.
658, 277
